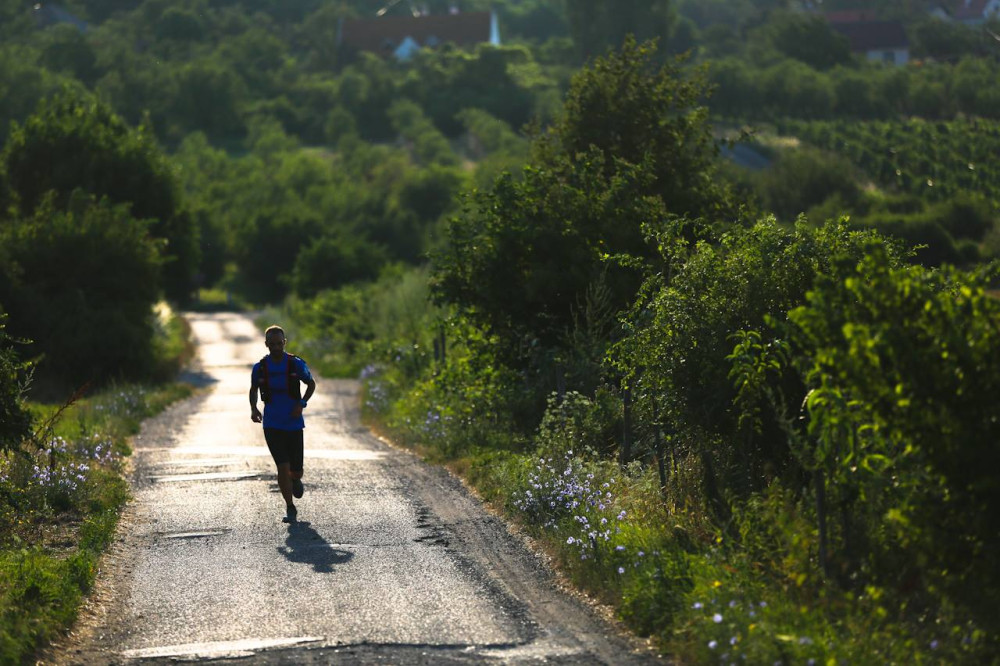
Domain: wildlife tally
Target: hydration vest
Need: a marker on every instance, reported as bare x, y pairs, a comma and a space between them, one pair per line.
292, 380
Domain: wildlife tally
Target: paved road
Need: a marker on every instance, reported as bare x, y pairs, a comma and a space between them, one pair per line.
392, 562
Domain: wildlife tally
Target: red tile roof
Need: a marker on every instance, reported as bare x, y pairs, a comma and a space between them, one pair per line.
850, 16
384, 34
873, 35
969, 10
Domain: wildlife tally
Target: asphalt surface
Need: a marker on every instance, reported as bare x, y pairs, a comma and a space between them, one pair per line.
392, 560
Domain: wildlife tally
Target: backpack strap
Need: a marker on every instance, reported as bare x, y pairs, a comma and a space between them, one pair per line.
265, 382
292, 381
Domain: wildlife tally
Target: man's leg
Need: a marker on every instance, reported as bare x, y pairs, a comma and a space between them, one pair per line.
295, 456
277, 442
285, 482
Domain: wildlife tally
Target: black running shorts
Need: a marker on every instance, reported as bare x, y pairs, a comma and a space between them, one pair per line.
285, 447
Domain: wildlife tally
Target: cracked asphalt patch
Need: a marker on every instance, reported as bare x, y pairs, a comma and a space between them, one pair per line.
392, 562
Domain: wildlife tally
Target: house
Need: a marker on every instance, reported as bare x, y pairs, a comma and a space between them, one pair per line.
971, 12
881, 41
403, 36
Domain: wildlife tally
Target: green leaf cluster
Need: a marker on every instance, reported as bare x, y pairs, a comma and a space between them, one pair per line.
897, 366
550, 258
73, 143
81, 283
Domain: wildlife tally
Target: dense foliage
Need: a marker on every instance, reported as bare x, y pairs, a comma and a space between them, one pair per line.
932, 160
537, 261
895, 365
73, 143
759, 389
715, 417
91, 320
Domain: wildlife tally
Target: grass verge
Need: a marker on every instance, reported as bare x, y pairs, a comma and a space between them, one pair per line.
60, 499
704, 595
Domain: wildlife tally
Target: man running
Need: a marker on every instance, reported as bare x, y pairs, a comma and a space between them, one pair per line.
279, 378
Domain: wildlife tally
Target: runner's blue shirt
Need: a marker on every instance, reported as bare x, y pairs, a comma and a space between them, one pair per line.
278, 412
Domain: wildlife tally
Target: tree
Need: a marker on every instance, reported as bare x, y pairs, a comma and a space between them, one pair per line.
529, 259
208, 99
334, 261
807, 38
177, 23
67, 50
497, 80
74, 142
944, 40
80, 281
315, 32
897, 367
23, 84
631, 110
597, 26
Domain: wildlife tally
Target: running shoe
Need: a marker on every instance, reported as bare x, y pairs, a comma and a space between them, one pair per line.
292, 514
297, 488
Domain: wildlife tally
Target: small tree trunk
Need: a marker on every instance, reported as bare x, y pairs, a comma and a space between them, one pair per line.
660, 464
626, 450
660, 450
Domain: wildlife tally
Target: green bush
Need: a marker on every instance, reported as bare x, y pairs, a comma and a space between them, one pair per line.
82, 285
331, 262
682, 327
73, 142
933, 245
802, 178
896, 364
579, 423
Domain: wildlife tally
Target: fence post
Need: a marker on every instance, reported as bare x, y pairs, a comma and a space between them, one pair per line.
660, 465
824, 560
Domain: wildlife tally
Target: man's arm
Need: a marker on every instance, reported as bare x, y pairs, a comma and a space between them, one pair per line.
255, 415
310, 388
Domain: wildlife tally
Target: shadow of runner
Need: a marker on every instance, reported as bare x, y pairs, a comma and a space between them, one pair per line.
306, 546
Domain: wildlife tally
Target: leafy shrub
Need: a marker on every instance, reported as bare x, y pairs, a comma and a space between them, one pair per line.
802, 178
965, 217
94, 150
896, 365
331, 262
681, 335
464, 403
93, 321
577, 422
933, 245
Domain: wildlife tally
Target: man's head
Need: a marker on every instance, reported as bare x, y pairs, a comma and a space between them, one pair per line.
274, 338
